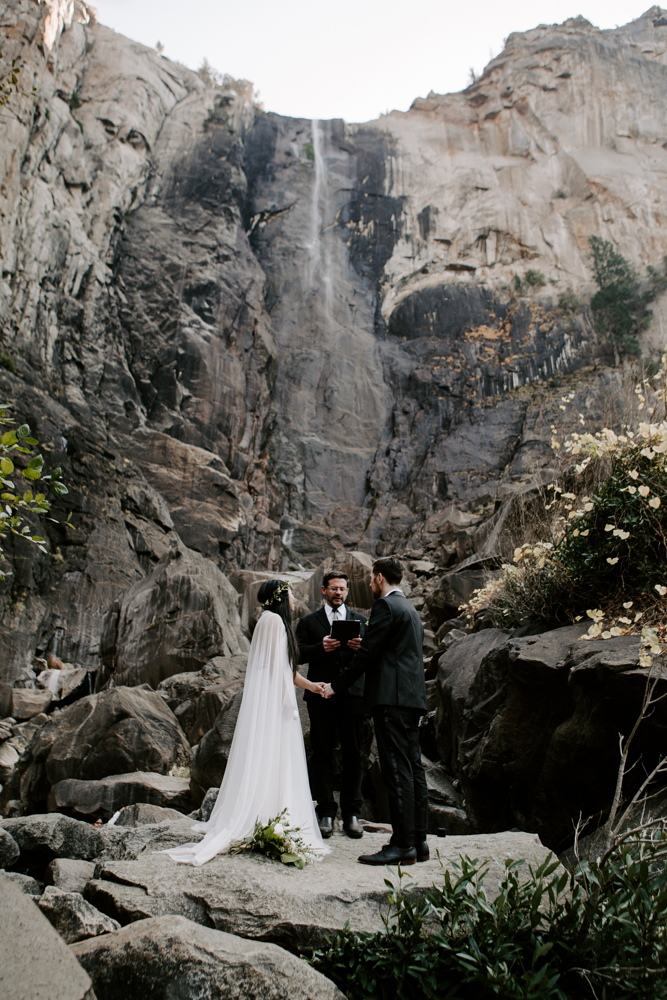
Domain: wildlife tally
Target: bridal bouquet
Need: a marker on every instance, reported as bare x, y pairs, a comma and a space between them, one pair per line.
277, 840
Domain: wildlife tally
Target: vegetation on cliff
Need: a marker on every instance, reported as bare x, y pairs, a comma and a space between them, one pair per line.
600, 547
620, 306
16, 504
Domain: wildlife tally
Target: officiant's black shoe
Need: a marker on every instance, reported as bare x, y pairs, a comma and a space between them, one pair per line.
391, 855
352, 827
423, 853
326, 826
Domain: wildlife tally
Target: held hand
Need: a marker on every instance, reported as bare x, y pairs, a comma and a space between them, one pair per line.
354, 643
330, 644
328, 691
318, 688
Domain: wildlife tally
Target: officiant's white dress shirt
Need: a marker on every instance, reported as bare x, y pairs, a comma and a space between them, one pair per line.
342, 613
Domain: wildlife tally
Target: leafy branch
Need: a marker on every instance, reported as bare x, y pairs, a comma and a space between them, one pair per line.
16, 504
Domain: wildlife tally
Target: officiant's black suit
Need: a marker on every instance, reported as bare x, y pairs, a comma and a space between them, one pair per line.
330, 721
391, 660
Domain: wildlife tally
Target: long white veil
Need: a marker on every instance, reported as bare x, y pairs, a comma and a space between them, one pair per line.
266, 771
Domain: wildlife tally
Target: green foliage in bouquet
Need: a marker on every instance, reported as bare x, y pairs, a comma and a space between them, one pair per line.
16, 504
277, 840
596, 934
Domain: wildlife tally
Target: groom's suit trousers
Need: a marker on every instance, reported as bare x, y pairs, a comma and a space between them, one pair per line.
397, 735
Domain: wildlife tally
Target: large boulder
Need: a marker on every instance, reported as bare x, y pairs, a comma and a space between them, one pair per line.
143, 814
9, 849
530, 726
45, 838
9, 758
26, 703
197, 698
257, 898
74, 917
30, 886
54, 836
69, 874
212, 754
101, 799
66, 683
116, 732
175, 619
169, 957
35, 962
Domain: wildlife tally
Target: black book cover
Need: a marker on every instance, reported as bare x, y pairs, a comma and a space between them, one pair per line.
346, 629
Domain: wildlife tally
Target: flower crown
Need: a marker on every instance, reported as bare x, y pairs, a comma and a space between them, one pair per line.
276, 594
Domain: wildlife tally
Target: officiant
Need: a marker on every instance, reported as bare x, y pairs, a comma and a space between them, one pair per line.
336, 718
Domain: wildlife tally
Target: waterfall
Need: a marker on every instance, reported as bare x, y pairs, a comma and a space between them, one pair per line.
321, 278
288, 535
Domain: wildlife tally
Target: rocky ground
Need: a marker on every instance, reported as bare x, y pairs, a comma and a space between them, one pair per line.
167, 332
131, 916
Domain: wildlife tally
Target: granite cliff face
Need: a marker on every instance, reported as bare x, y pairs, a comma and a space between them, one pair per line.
266, 339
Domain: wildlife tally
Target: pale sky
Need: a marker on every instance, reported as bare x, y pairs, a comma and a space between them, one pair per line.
351, 59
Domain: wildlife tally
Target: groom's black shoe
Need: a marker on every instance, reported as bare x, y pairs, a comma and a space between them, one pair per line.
352, 827
391, 855
423, 853
326, 826
422, 849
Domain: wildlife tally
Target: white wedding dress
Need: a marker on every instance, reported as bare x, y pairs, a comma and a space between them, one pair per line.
266, 771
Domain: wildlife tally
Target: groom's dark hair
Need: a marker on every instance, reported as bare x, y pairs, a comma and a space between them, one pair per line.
390, 567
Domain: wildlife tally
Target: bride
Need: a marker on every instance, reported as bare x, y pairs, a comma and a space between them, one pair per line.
266, 771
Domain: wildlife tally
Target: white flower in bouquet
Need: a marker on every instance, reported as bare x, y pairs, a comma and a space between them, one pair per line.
279, 830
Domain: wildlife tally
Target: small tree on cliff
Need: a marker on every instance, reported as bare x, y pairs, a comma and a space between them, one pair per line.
16, 504
620, 307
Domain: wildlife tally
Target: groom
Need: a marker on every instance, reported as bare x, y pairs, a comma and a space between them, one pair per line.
342, 718
390, 656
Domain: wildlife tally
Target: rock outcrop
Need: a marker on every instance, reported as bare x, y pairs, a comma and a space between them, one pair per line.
172, 956
256, 898
102, 799
267, 339
35, 962
180, 616
117, 732
530, 727
73, 917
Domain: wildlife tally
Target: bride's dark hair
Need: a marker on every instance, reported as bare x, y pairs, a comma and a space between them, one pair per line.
280, 606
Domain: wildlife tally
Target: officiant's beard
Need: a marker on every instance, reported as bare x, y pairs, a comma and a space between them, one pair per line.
336, 599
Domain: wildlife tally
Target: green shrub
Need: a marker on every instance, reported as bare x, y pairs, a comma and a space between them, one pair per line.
608, 548
548, 935
560, 193
16, 504
568, 300
620, 306
7, 363
309, 151
535, 278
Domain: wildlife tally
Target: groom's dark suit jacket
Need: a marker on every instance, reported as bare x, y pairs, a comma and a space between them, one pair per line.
310, 631
390, 657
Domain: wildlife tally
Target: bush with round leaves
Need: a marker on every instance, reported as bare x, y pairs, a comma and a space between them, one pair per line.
17, 504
